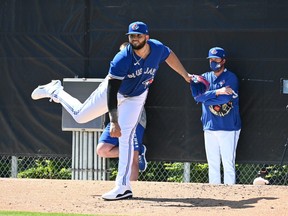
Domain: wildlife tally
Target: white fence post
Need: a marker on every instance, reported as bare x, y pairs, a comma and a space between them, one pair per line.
14, 166
186, 172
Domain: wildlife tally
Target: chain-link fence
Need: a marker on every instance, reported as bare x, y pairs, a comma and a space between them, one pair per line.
45, 167
198, 172
59, 167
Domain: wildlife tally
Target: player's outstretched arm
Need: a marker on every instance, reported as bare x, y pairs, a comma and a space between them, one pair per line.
177, 66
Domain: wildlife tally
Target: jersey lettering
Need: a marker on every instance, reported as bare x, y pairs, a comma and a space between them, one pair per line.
150, 71
131, 76
134, 75
138, 72
137, 78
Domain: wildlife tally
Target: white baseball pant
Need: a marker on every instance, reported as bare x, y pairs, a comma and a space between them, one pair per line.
221, 145
129, 109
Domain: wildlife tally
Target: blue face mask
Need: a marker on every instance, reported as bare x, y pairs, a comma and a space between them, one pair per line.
215, 66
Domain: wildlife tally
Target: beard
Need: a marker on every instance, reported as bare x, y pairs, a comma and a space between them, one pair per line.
139, 46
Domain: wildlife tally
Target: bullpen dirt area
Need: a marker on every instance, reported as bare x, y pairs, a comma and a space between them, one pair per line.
150, 198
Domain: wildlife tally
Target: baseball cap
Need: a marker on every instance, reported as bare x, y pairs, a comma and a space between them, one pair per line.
216, 52
137, 28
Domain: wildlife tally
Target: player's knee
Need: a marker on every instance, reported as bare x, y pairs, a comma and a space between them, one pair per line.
79, 120
101, 151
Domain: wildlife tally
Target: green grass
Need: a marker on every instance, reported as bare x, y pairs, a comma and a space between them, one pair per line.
15, 213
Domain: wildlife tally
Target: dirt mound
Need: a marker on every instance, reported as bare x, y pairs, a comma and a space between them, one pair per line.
150, 198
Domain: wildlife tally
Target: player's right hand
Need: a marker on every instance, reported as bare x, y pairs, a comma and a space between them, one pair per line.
226, 90
188, 78
115, 130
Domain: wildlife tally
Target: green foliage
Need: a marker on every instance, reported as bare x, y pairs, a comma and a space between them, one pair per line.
277, 174
245, 174
174, 172
155, 172
199, 172
113, 168
46, 169
167, 172
5, 167
161, 171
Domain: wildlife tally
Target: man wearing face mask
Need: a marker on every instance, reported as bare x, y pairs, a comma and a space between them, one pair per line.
220, 118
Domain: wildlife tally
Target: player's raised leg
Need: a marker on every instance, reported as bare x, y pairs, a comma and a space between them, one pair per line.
47, 91
93, 107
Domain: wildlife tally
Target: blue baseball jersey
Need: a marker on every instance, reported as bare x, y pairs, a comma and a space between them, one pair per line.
137, 75
231, 121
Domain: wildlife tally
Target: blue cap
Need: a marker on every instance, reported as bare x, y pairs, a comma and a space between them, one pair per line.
137, 28
216, 52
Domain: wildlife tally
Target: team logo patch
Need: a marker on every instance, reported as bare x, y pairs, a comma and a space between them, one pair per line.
135, 26
221, 83
214, 51
148, 82
221, 109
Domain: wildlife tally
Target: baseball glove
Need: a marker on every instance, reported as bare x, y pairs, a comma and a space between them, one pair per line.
198, 85
221, 109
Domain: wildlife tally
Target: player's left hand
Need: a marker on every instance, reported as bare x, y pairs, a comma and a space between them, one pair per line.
115, 130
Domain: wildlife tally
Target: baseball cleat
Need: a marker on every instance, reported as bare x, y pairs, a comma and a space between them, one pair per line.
142, 159
118, 193
46, 91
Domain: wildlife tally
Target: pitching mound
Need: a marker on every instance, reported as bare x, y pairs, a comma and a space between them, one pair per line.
150, 198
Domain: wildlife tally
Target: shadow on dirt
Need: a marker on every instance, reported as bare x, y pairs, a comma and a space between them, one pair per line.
203, 202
